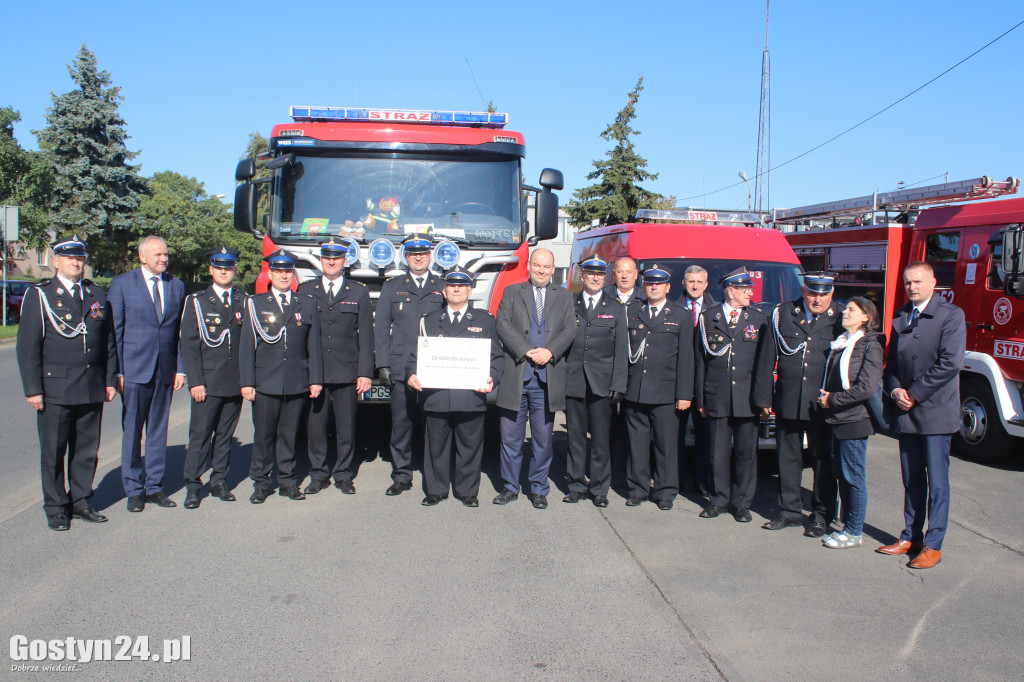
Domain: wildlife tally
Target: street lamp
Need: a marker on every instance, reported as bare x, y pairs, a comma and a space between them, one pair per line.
743, 177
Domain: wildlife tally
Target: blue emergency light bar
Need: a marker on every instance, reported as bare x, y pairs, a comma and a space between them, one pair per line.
480, 119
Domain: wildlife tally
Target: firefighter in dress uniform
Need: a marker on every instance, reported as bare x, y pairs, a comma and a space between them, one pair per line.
280, 366
403, 301
68, 366
660, 381
456, 412
211, 332
734, 362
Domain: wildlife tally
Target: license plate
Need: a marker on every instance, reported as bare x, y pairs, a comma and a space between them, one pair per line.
378, 393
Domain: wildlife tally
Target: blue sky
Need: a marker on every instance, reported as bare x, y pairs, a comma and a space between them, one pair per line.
197, 78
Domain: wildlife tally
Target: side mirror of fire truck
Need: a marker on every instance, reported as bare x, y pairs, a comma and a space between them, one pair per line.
547, 204
1013, 259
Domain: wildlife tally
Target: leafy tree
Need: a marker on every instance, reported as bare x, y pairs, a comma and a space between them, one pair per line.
96, 191
193, 224
617, 195
259, 145
25, 179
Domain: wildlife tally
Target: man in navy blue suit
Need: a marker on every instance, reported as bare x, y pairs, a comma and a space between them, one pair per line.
145, 308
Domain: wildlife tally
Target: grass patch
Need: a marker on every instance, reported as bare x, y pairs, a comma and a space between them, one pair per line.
8, 332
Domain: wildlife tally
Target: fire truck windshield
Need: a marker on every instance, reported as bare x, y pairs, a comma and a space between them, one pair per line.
475, 202
773, 282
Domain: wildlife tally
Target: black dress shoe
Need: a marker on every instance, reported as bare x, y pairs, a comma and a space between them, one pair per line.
539, 501
345, 486
191, 499
89, 514
397, 488
781, 522
136, 503
742, 515
316, 485
161, 500
664, 505
816, 530
574, 496
505, 496
703, 492
470, 501
259, 496
431, 500
601, 501
221, 491
291, 493
635, 501
58, 521
712, 511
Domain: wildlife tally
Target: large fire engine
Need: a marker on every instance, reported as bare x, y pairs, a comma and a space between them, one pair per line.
369, 177
975, 249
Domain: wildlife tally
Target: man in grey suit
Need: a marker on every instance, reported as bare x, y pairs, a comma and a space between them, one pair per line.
926, 353
536, 326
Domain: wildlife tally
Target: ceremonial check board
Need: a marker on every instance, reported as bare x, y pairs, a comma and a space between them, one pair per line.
444, 362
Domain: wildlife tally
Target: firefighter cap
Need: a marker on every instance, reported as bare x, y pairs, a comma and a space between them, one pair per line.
417, 243
333, 248
819, 282
69, 246
657, 275
280, 260
737, 278
224, 257
458, 275
594, 264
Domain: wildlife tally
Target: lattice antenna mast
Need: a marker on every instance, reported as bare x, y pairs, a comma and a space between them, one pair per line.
761, 201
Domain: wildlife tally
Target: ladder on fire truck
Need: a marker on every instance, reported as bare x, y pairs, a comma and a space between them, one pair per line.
902, 199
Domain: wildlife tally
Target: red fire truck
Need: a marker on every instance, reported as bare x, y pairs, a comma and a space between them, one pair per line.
869, 240
369, 177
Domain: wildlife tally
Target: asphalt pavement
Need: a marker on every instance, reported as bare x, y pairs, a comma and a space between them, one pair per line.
343, 587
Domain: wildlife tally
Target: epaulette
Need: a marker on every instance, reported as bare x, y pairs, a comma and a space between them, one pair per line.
44, 282
353, 281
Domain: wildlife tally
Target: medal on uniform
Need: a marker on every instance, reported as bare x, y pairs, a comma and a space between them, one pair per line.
238, 316
60, 292
213, 329
298, 320
216, 320
59, 304
67, 317
272, 319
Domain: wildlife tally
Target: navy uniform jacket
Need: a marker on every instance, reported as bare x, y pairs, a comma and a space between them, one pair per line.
346, 330
66, 371
214, 367
664, 372
638, 293
599, 356
736, 383
473, 324
801, 374
396, 322
291, 365
925, 358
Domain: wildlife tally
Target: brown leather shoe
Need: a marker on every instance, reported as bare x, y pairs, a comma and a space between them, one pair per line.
900, 547
927, 558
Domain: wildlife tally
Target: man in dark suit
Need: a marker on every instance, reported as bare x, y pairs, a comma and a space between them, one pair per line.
803, 331
280, 365
145, 308
211, 329
403, 301
660, 382
536, 326
624, 287
455, 411
596, 382
68, 367
926, 354
696, 300
733, 386
346, 344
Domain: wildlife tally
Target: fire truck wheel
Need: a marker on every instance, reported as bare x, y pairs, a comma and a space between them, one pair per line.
981, 437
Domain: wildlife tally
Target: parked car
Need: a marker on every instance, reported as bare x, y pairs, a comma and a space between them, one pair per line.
16, 291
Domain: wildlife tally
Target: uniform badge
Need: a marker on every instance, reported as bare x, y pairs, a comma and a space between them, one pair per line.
238, 316
94, 310
298, 320
213, 329
60, 292
476, 330
641, 325
216, 320
605, 317
272, 319
400, 304
830, 313
67, 317
59, 304
750, 333
266, 330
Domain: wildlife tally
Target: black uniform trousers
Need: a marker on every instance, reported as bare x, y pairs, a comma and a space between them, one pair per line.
405, 414
733, 460
339, 400
593, 414
700, 455
275, 420
790, 443
468, 431
214, 420
658, 424
73, 430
